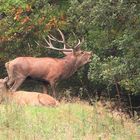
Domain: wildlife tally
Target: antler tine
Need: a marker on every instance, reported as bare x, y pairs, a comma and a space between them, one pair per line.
79, 43
51, 37
62, 35
63, 38
37, 43
52, 47
55, 39
49, 43
46, 41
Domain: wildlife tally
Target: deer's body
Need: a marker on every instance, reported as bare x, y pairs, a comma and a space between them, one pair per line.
43, 68
25, 97
31, 98
49, 70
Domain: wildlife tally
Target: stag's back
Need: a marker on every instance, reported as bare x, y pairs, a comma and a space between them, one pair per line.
34, 67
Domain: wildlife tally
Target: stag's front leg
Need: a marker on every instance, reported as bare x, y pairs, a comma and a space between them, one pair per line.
10, 71
53, 86
17, 84
45, 87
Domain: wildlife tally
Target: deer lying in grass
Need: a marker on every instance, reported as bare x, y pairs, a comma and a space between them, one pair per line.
24, 97
49, 70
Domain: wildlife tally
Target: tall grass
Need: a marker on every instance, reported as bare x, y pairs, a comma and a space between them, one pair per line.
71, 121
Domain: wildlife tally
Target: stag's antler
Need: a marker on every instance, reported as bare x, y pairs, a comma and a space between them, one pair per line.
61, 41
79, 44
66, 48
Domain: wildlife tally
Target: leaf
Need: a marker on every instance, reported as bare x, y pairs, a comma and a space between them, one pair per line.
25, 20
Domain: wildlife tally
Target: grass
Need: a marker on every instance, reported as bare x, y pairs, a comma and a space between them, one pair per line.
69, 121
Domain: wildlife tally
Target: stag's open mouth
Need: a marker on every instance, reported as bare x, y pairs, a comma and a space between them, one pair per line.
89, 60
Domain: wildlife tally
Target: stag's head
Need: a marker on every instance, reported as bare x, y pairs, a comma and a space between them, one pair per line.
83, 57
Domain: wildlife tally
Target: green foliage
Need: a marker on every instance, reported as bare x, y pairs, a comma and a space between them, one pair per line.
25, 23
111, 32
110, 28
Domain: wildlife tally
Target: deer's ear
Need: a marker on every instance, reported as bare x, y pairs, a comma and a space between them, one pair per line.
76, 53
77, 49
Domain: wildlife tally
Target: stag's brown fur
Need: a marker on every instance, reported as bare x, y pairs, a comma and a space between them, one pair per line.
26, 98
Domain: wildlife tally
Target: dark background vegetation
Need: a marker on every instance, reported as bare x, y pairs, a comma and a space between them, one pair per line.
111, 29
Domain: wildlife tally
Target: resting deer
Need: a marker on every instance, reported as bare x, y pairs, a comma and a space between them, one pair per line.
49, 70
24, 97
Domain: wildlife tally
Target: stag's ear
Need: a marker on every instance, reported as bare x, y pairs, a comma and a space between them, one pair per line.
77, 53
77, 49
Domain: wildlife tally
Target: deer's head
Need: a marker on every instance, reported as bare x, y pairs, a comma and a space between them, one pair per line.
83, 57
3, 86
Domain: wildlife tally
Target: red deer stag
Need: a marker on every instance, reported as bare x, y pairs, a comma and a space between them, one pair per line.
25, 97
49, 70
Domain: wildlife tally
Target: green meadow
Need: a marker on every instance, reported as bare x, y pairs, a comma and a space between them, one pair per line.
69, 121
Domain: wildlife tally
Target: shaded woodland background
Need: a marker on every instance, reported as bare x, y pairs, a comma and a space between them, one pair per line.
111, 29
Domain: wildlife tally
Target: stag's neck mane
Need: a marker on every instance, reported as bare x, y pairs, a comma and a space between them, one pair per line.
69, 65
